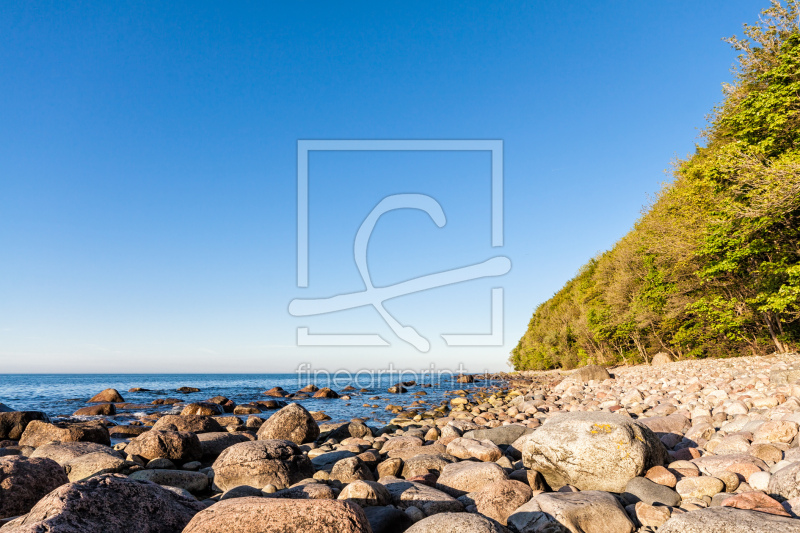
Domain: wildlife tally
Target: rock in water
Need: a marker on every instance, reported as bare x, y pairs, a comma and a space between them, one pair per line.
592, 451
456, 523
261, 463
107, 396
203, 409
103, 409
24, 481
108, 503
270, 515
291, 423
728, 520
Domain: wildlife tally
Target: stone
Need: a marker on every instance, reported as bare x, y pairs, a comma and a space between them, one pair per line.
262, 462
592, 451
108, 503
697, 487
398, 443
217, 442
351, 469
776, 431
419, 465
275, 515
728, 520
325, 392
291, 423
640, 489
563, 512
785, 483
325, 461
428, 499
24, 481
766, 452
759, 480
784, 377
187, 423
305, 491
187, 390
456, 523
501, 498
13, 423
203, 409
92, 464
103, 409
590, 373
388, 519
756, 501
501, 436
366, 493
661, 358
242, 491
392, 467
178, 446
464, 448
64, 452
708, 464
38, 432
457, 479
191, 481
662, 476
651, 515
126, 432
107, 396
160, 463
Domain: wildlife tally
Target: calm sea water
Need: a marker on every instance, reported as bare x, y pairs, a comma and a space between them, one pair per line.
60, 395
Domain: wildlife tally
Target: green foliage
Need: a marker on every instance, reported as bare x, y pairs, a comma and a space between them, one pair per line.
713, 267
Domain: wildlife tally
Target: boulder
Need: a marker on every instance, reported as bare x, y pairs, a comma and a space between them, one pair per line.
661, 358
273, 515
215, 443
501, 498
325, 392
178, 446
366, 493
64, 452
187, 390
419, 465
728, 520
464, 448
126, 432
305, 491
388, 519
557, 512
756, 501
464, 477
430, 501
292, 423
190, 423
261, 463
203, 409
785, 483
107, 396
501, 436
276, 392
456, 523
640, 489
590, 373
351, 469
103, 409
109, 503
13, 423
24, 481
190, 481
592, 450
38, 432
91, 464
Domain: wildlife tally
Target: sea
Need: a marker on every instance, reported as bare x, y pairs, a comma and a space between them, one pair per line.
60, 395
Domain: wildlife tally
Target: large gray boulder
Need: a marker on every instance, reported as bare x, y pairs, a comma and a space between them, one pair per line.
24, 481
592, 451
456, 523
109, 503
564, 512
272, 515
291, 423
729, 520
261, 463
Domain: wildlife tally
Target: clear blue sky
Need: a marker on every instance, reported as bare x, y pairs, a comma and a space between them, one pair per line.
148, 166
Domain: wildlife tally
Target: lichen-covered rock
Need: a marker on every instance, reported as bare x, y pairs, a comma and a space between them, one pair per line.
592, 450
24, 481
38, 432
261, 463
178, 446
270, 515
109, 503
291, 423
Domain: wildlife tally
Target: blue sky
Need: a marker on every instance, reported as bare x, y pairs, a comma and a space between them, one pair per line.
148, 156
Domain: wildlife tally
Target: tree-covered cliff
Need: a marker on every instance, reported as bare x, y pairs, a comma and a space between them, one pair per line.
713, 266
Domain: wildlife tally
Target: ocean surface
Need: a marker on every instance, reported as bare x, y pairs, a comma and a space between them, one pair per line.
60, 395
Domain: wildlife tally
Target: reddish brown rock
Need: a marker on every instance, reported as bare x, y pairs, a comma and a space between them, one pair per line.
662, 476
309, 389
291, 423
107, 396
755, 501
191, 423
501, 498
276, 392
272, 515
108, 503
38, 433
104, 409
325, 392
25, 481
203, 409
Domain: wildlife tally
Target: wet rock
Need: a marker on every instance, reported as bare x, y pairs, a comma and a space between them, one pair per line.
262, 462
178, 446
291, 423
273, 515
109, 503
276, 392
107, 396
13, 423
592, 451
187, 390
103, 409
24, 481
38, 432
728, 520
325, 392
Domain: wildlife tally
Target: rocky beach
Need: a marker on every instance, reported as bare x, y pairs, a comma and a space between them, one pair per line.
687, 446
